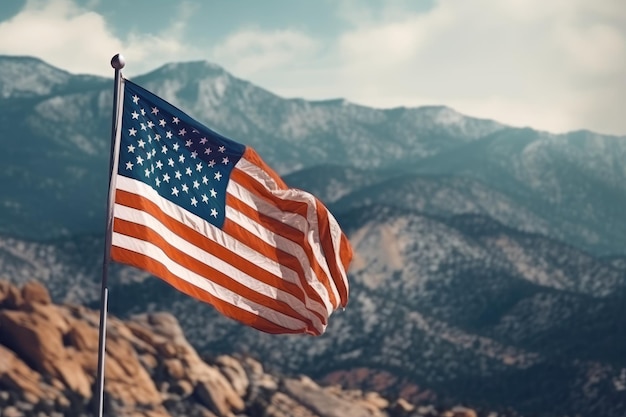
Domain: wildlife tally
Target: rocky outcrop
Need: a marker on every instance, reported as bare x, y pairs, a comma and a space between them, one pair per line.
48, 360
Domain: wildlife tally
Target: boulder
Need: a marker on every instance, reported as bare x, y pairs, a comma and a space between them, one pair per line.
34, 292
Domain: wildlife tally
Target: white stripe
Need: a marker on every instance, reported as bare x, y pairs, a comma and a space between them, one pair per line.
224, 294
291, 248
259, 204
145, 219
311, 232
219, 237
335, 232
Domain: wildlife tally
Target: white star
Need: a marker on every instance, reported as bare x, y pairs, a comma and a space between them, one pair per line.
205, 199
153, 151
131, 149
141, 143
203, 141
142, 111
159, 164
157, 137
162, 123
152, 168
217, 176
225, 161
175, 191
135, 115
149, 155
168, 135
194, 202
175, 120
164, 149
221, 149
155, 110
199, 166
182, 132
166, 177
149, 139
176, 146
143, 126
188, 171
150, 124
214, 213
212, 163
207, 151
147, 172
213, 192
129, 165
185, 188
158, 182
181, 158
188, 143
196, 184
205, 180
139, 160
135, 99
178, 175
170, 162
194, 155
132, 131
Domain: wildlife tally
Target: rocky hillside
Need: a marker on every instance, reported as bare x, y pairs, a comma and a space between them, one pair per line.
48, 356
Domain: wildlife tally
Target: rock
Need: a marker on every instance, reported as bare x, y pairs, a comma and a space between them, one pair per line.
402, 407
83, 337
34, 292
234, 372
218, 395
174, 368
15, 374
324, 403
463, 412
10, 296
183, 388
12, 411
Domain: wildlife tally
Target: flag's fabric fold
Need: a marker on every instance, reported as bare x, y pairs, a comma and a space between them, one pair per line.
209, 217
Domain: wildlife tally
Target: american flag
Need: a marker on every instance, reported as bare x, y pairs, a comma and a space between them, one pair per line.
208, 216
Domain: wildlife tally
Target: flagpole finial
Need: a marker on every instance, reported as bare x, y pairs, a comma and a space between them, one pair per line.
118, 61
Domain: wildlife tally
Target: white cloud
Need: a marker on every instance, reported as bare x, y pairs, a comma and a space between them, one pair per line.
68, 36
557, 65
250, 51
524, 62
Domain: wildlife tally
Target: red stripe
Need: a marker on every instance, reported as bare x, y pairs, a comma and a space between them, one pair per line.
158, 269
197, 239
254, 187
326, 241
278, 228
251, 156
144, 233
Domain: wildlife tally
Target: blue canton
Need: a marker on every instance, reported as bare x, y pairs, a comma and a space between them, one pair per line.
184, 161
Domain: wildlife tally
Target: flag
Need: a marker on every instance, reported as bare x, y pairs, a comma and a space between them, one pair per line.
208, 216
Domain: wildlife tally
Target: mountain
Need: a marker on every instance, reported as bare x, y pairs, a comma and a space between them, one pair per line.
464, 306
48, 357
575, 181
489, 260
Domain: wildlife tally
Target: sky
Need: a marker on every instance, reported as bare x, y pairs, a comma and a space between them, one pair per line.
557, 65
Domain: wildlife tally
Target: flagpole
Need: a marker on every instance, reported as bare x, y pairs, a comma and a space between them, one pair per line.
117, 62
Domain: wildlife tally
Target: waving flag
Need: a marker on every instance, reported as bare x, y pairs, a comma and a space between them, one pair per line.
209, 217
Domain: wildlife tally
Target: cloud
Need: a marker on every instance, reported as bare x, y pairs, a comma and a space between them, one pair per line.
557, 65
554, 65
251, 51
68, 36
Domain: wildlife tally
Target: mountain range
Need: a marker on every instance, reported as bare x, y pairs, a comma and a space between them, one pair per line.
490, 261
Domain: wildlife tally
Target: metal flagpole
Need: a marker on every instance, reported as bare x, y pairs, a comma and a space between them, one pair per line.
117, 62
